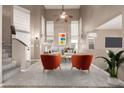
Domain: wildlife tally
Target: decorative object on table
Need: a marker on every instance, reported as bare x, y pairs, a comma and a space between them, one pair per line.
114, 61
74, 51
62, 38
50, 52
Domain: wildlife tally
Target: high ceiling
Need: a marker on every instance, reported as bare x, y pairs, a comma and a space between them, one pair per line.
60, 6
114, 23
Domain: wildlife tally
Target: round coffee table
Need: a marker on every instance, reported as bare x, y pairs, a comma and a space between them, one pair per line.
65, 57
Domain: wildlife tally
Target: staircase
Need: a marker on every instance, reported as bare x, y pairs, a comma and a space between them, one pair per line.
9, 69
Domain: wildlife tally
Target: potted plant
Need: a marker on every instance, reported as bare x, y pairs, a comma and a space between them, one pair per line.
114, 60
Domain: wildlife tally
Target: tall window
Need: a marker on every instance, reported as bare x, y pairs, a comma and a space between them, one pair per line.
50, 31
91, 40
21, 19
74, 34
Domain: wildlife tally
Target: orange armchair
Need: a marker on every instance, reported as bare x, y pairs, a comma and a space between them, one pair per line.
82, 62
50, 62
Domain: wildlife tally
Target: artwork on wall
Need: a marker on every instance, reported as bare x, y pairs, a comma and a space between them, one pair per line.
62, 38
113, 42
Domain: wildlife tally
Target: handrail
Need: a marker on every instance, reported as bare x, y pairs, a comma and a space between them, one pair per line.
20, 42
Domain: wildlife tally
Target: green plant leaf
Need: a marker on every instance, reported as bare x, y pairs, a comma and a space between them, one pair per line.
118, 55
114, 61
106, 60
111, 54
121, 60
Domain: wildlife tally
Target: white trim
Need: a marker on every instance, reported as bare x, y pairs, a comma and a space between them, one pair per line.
24, 70
0, 45
100, 69
60, 7
1, 85
21, 9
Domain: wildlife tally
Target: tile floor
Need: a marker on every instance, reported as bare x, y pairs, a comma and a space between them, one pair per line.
35, 77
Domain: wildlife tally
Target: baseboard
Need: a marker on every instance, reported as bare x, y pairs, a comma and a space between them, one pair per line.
100, 69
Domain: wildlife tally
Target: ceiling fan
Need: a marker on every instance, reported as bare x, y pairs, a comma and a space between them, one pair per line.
64, 16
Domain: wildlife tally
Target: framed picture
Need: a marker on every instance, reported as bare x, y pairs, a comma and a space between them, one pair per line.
62, 38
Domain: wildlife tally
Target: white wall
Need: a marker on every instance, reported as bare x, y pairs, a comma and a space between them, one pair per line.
100, 39
36, 12
100, 49
92, 17
7, 20
19, 54
0, 44
42, 33
26, 38
62, 27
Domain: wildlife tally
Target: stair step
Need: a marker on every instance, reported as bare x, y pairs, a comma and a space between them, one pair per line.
6, 50
5, 55
5, 44
7, 66
9, 69
3, 50
5, 63
7, 60
10, 73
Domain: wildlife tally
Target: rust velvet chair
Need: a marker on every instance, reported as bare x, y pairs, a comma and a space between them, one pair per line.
50, 62
82, 62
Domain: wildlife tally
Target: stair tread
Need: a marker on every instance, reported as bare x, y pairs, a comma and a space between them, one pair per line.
10, 70
10, 74
6, 63
9, 59
8, 66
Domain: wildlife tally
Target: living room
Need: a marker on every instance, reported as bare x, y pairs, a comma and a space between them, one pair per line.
48, 37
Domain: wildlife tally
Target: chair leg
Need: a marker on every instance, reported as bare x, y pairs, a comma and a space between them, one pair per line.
60, 67
71, 67
43, 70
88, 70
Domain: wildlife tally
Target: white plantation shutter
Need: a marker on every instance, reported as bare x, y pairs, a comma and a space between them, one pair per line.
74, 28
21, 19
74, 34
50, 30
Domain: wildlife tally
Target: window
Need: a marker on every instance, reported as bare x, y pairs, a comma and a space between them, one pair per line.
91, 43
21, 19
74, 34
50, 31
91, 40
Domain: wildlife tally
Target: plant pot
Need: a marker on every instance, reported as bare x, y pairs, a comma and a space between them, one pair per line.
114, 81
